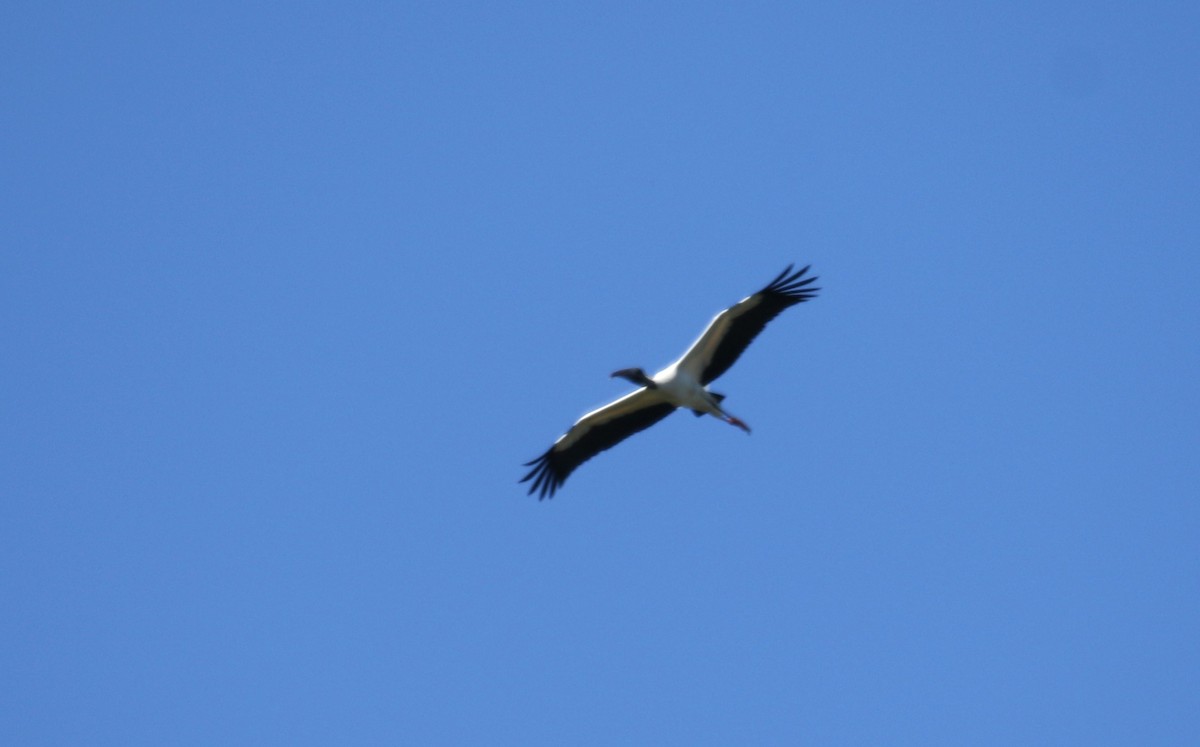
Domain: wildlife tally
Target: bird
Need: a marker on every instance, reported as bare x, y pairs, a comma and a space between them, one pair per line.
683, 384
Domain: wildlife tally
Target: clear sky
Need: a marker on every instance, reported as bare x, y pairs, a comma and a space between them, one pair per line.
289, 292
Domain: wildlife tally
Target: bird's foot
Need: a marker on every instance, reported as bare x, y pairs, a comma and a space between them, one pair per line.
734, 421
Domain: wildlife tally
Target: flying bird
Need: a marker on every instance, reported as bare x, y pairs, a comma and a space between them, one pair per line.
684, 383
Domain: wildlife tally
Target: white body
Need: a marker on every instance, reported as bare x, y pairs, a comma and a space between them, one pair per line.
682, 388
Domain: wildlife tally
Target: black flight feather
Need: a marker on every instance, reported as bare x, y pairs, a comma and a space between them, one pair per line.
551, 469
784, 291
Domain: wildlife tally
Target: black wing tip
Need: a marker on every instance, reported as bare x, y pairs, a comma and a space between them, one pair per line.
545, 476
793, 286
782, 275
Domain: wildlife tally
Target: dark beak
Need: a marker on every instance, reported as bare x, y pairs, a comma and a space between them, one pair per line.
635, 375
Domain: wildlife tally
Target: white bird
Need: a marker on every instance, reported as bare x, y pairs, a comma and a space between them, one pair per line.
684, 383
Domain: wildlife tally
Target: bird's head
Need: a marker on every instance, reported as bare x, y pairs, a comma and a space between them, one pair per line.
636, 375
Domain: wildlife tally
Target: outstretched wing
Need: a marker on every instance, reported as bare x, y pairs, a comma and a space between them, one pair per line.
731, 332
596, 431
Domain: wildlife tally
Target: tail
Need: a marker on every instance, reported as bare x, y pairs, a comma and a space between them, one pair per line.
715, 395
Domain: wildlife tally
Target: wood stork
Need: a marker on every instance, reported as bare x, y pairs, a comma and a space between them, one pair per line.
684, 383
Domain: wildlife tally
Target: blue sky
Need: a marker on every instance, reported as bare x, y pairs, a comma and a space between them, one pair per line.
290, 293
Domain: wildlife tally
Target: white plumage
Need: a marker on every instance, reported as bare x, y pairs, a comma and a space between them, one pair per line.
684, 383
